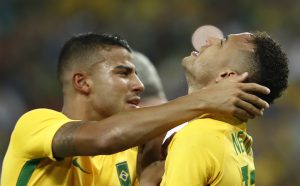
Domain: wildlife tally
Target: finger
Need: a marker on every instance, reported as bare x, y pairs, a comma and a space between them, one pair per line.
254, 87
243, 77
240, 78
249, 108
242, 115
262, 111
254, 100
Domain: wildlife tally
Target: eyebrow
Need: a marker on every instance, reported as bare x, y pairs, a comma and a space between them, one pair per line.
124, 67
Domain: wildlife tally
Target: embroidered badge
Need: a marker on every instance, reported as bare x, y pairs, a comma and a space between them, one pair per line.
123, 174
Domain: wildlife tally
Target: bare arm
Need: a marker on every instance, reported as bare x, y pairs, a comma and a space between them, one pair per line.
121, 131
131, 128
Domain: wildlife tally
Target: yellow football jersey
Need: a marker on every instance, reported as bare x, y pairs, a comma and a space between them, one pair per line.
29, 158
210, 152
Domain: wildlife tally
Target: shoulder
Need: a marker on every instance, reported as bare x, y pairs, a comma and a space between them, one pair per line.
34, 132
38, 119
40, 115
42, 112
200, 128
203, 134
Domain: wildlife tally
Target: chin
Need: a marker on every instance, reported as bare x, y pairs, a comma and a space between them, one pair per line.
184, 63
187, 68
187, 61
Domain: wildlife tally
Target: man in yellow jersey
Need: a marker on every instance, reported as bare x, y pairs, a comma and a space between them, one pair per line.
91, 142
213, 150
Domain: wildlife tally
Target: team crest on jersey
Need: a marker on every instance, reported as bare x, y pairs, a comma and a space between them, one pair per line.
123, 174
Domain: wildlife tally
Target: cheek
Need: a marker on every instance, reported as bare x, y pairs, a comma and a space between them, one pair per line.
200, 63
120, 85
115, 89
203, 68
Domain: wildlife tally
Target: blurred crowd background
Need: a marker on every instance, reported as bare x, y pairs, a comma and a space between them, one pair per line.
32, 33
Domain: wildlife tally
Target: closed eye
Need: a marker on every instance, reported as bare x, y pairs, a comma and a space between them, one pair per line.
123, 72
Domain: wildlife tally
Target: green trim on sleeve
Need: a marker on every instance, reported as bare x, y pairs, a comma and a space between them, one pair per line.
27, 171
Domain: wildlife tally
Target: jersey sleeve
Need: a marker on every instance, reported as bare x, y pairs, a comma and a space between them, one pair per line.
195, 157
34, 132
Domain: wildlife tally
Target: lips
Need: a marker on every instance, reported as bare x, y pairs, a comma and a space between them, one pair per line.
134, 101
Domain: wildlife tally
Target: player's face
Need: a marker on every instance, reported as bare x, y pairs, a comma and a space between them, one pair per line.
204, 66
115, 85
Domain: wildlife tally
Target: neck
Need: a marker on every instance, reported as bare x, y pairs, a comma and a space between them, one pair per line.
230, 120
194, 87
78, 109
193, 84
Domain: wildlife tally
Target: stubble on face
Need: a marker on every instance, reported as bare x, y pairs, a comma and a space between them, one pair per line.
201, 68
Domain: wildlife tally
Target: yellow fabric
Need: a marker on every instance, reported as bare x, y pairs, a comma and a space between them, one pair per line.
32, 138
209, 152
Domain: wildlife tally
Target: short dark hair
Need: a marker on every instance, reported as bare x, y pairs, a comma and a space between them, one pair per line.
272, 64
82, 45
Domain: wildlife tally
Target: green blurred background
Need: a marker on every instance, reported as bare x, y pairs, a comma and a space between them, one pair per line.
32, 33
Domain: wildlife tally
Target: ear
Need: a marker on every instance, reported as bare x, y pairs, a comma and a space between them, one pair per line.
82, 83
225, 74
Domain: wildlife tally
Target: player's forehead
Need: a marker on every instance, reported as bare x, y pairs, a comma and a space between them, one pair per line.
116, 57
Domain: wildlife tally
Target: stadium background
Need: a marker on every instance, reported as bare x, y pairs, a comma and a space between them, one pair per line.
32, 32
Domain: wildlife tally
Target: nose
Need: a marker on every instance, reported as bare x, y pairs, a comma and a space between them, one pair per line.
137, 85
